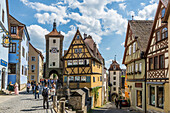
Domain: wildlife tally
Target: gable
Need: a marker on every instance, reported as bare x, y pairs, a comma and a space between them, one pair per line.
78, 48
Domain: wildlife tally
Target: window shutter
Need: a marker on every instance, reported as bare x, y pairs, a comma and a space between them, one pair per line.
88, 79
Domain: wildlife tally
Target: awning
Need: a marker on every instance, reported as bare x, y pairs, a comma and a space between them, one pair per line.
156, 83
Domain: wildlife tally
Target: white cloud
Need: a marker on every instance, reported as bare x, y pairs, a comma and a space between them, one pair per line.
122, 44
108, 48
37, 36
142, 4
122, 6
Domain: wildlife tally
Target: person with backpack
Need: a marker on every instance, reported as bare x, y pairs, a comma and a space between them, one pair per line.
37, 87
45, 93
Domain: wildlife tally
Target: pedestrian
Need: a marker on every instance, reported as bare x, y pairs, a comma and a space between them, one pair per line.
28, 86
120, 103
45, 93
37, 87
16, 89
116, 102
52, 92
32, 84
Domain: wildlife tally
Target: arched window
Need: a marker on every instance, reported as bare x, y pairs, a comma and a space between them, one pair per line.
164, 33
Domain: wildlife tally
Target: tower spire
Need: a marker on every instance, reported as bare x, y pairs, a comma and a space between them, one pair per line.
54, 24
115, 57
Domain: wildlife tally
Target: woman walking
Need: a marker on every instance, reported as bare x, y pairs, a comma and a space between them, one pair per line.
16, 88
52, 92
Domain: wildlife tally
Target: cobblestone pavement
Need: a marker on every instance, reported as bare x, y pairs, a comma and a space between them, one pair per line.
111, 108
23, 103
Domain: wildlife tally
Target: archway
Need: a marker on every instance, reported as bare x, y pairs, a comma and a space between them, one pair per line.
53, 74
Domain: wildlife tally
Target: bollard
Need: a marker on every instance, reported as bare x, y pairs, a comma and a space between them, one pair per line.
62, 106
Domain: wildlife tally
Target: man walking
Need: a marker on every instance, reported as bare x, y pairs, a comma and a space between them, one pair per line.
37, 87
45, 93
116, 102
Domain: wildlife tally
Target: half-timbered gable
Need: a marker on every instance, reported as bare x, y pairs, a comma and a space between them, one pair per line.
157, 51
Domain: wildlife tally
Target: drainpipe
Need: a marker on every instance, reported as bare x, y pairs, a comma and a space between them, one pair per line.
145, 82
38, 69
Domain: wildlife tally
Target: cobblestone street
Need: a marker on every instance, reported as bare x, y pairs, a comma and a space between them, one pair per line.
23, 103
111, 108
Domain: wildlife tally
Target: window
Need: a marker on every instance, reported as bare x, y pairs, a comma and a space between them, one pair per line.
81, 62
12, 68
12, 48
114, 78
22, 70
134, 47
163, 12
156, 62
164, 33
94, 79
114, 88
78, 36
32, 67
13, 30
93, 63
114, 83
3, 14
140, 67
32, 77
86, 61
161, 61
32, 58
23, 52
54, 41
136, 68
160, 96
114, 73
158, 36
25, 71
100, 78
114, 67
71, 78
75, 62
150, 63
53, 63
130, 50
65, 79
26, 57
76, 50
139, 99
152, 96
80, 50
88, 79
132, 68
77, 78
70, 62
83, 78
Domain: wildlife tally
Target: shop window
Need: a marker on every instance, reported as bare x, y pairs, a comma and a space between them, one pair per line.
160, 96
139, 99
152, 96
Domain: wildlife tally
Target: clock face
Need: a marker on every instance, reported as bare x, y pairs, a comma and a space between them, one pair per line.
54, 50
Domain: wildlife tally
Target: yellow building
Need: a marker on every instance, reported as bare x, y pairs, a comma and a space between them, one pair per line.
83, 66
35, 63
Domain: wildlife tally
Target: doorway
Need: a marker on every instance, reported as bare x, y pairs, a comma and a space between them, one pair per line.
3, 79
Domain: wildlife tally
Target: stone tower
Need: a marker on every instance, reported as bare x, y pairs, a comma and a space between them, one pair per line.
54, 50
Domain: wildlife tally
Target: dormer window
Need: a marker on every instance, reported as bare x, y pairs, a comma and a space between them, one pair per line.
13, 30
163, 12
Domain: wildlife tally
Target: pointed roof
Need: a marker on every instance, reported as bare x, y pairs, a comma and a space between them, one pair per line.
54, 32
165, 19
114, 64
141, 30
38, 51
165, 3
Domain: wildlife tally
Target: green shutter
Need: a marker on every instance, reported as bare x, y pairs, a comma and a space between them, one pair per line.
88, 79
65, 79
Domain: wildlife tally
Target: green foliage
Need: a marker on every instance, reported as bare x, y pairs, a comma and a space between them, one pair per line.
54, 76
95, 93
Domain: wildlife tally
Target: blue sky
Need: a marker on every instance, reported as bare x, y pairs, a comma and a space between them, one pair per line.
104, 20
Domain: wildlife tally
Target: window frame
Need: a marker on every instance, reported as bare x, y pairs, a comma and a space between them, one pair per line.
13, 29
32, 58
12, 67
160, 67
12, 48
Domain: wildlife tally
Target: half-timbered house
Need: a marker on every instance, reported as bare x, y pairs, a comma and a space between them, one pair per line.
157, 63
83, 66
137, 36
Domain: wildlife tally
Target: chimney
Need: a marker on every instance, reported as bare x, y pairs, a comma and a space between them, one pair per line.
85, 36
94, 49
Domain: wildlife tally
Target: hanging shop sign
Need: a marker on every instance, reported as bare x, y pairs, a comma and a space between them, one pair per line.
3, 63
6, 37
